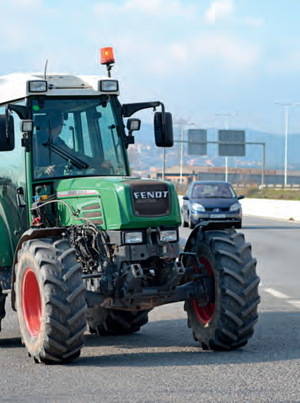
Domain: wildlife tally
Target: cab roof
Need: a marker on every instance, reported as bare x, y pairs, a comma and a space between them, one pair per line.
14, 86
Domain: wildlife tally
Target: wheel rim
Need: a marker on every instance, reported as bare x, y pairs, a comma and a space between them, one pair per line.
204, 314
31, 302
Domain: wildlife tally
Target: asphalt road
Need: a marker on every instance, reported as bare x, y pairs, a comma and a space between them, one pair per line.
162, 363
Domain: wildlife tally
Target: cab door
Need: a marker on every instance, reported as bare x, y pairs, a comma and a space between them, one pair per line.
13, 206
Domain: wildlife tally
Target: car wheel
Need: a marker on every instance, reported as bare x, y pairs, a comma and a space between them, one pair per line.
191, 224
239, 225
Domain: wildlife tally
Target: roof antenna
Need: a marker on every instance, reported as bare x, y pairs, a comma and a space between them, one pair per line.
45, 70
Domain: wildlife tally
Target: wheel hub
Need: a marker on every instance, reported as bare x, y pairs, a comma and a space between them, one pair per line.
31, 302
204, 314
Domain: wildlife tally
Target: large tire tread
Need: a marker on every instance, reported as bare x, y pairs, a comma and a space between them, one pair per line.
236, 291
64, 300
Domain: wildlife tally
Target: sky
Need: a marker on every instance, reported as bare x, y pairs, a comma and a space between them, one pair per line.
202, 58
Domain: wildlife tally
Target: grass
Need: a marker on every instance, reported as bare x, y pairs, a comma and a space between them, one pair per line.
270, 193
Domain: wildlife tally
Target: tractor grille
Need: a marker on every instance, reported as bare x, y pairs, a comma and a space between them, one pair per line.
150, 198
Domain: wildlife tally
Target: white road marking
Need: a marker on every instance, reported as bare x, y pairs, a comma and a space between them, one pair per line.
294, 302
276, 293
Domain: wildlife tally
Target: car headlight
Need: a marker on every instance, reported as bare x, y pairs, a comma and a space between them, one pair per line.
133, 237
235, 207
168, 236
197, 207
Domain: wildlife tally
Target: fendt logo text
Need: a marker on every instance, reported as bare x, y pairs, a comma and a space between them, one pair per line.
156, 194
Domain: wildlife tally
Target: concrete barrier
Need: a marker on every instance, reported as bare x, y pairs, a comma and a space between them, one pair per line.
281, 209
269, 208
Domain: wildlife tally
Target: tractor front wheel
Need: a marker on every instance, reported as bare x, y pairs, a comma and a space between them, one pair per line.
50, 300
226, 322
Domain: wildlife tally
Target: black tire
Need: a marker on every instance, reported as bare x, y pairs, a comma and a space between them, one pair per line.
229, 322
2, 305
50, 300
191, 224
184, 223
112, 322
239, 225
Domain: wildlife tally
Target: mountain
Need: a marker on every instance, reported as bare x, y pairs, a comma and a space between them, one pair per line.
145, 154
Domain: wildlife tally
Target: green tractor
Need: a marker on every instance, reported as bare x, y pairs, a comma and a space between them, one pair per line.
84, 246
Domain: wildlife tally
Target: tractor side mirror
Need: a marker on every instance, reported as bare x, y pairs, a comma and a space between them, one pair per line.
163, 129
7, 133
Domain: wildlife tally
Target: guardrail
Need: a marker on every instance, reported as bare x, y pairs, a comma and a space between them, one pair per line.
244, 186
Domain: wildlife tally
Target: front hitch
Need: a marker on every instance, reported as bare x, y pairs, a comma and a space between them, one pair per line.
136, 297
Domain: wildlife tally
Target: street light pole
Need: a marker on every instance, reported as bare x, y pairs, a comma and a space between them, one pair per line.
286, 130
164, 164
286, 106
181, 153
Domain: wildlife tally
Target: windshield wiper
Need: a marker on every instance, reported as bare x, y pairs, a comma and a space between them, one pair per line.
207, 197
77, 162
214, 197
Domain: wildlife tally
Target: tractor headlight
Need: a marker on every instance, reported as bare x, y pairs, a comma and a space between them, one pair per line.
26, 125
37, 86
109, 86
168, 236
133, 237
197, 207
235, 207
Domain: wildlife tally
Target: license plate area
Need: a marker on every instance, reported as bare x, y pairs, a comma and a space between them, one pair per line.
218, 216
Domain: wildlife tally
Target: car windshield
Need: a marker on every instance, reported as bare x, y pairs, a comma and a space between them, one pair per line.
209, 190
76, 137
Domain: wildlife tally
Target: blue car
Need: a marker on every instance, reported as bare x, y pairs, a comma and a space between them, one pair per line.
211, 201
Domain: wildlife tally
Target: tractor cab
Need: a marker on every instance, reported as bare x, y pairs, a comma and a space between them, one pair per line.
58, 128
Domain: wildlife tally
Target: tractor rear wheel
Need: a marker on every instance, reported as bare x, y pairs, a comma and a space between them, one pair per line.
106, 322
50, 300
227, 322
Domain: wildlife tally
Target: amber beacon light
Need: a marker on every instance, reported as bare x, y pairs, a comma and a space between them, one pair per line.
107, 56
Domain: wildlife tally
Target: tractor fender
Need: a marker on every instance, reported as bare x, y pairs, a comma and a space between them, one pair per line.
199, 229
32, 233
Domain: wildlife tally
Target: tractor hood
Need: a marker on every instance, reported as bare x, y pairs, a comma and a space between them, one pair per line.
118, 202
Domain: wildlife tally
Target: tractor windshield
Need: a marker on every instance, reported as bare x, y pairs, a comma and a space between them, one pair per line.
76, 137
